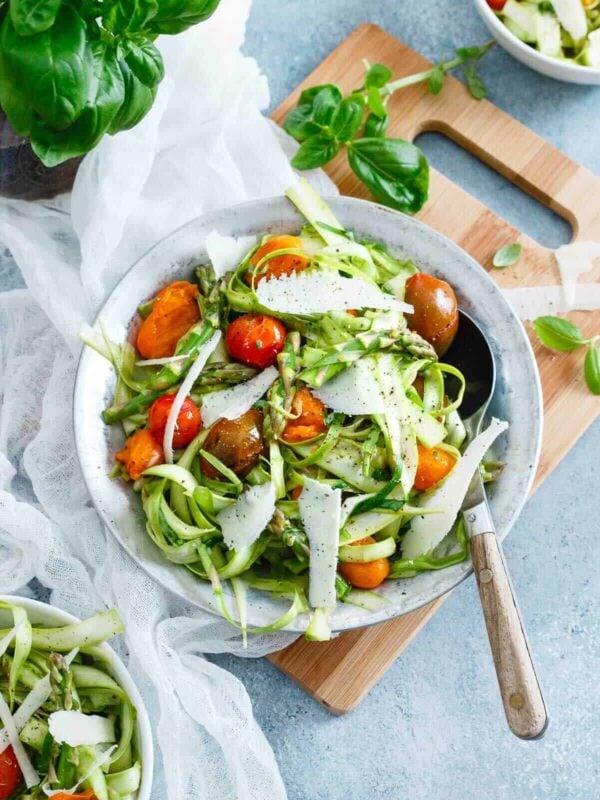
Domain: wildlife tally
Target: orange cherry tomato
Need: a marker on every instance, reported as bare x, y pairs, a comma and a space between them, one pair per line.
278, 265
498, 5
141, 452
435, 316
309, 419
365, 574
434, 464
87, 795
174, 312
296, 492
255, 339
188, 422
10, 773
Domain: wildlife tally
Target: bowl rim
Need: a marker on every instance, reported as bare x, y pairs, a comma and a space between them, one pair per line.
56, 615
375, 617
504, 34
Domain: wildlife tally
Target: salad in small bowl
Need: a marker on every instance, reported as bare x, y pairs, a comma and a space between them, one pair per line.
73, 723
559, 38
283, 440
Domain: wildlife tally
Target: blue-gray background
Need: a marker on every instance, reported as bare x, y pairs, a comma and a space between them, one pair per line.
433, 728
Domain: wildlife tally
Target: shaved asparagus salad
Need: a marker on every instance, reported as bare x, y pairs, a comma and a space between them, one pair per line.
290, 424
565, 29
67, 726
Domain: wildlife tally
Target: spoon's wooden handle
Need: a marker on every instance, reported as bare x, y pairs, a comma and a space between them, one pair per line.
521, 694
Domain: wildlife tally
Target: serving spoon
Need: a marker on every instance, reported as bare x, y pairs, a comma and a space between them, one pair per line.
519, 686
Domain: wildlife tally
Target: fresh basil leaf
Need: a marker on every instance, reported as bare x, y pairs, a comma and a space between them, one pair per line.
14, 104
474, 83
128, 16
137, 102
435, 82
376, 102
175, 16
33, 16
396, 172
507, 255
348, 118
315, 151
53, 70
145, 61
558, 333
55, 146
468, 52
300, 123
377, 75
376, 126
591, 369
308, 95
325, 105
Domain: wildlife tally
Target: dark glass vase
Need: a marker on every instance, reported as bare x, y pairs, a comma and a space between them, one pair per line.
23, 175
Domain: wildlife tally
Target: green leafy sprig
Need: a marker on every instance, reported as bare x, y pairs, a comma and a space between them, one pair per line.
562, 335
74, 70
395, 171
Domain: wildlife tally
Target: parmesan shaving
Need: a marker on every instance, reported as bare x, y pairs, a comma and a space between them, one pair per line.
317, 291
427, 531
75, 728
575, 260
183, 392
233, 402
320, 509
29, 773
244, 521
226, 252
353, 391
530, 302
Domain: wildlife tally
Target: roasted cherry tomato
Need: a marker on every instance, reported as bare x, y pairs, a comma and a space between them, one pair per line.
255, 339
435, 315
10, 773
278, 265
365, 574
141, 452
188, 422
173, 313
434, 464
237, 443
309, 420
498, 5
87, 795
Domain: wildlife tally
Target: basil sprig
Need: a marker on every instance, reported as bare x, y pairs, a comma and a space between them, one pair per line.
395, 171
74, 70
562, 335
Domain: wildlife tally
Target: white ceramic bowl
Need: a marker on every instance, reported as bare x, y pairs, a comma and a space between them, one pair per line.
517, 397
552, 67
49, 616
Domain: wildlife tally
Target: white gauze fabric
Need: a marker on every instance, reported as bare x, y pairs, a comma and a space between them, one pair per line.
204, 145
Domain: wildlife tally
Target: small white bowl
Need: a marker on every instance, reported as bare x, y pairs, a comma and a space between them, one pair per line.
552, 67
42, 613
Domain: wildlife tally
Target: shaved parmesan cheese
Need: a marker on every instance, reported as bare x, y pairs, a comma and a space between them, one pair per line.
320, 509
75, 728
244, 521
232, 403
571, 15
183, 392
574, 260
29, 774
354, 391
530, 302
427, 531
227, 252
32, 702
317, 291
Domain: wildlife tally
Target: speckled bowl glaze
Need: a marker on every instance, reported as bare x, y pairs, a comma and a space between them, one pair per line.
49, 616
555, 68
517, 397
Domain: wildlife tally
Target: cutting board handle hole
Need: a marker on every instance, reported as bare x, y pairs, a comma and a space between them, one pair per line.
494, 190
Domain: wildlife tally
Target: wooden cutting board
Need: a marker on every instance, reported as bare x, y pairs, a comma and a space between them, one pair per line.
339, 673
